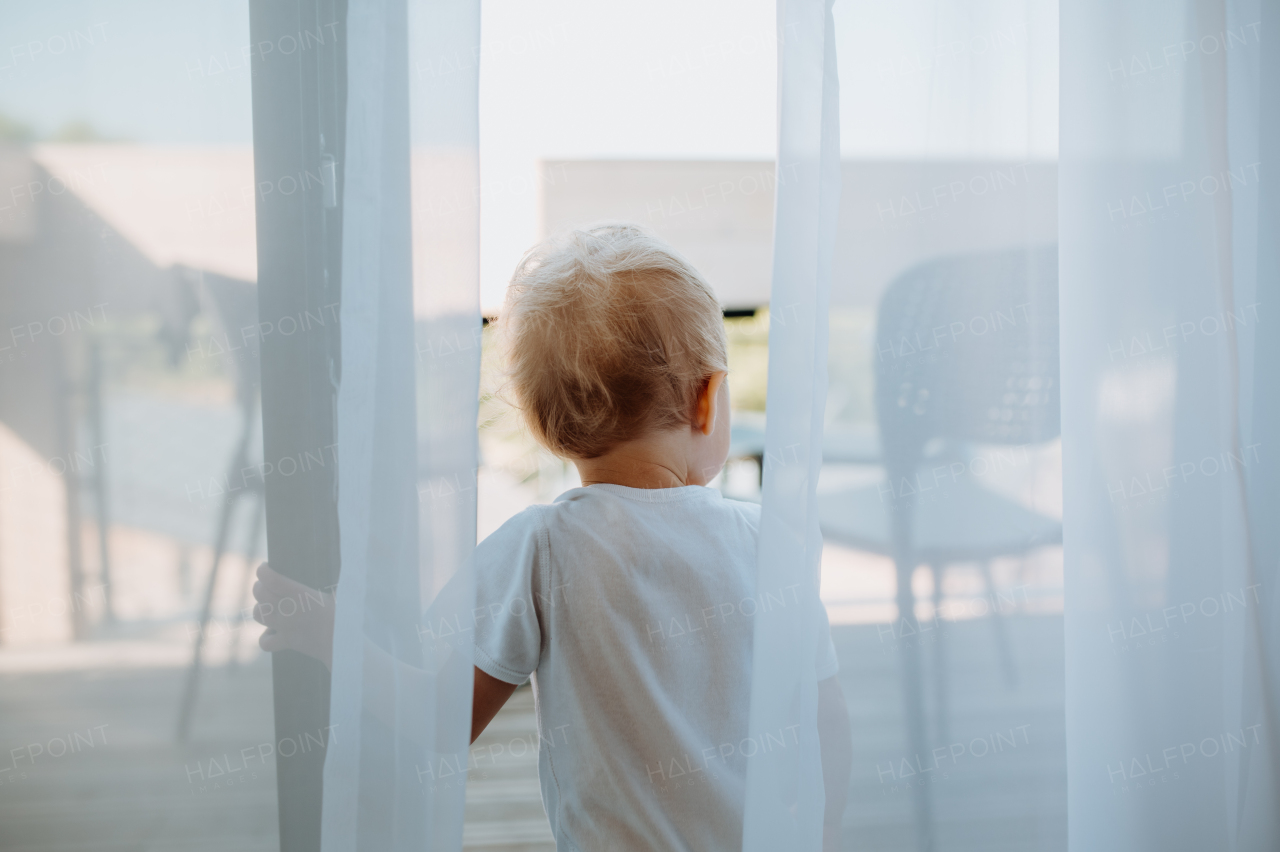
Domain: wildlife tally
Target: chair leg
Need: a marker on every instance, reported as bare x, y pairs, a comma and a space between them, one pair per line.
940, 658
197, 652
913, 707
1005, 649
239, 460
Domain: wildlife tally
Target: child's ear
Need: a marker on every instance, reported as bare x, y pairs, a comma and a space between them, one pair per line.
709, 404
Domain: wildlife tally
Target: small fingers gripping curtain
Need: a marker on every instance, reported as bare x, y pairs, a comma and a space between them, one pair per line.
395, 775
784, 798
1169, 284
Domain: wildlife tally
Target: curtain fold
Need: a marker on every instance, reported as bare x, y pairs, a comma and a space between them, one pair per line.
784, 795
395, 777
1167, 225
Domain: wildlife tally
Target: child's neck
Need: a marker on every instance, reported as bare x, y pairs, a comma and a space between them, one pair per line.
653, 461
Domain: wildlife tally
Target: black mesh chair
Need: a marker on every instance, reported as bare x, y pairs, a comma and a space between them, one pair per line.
967, 354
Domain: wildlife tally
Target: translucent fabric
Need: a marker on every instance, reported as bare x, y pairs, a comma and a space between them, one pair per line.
937, 498
406, 435
1016, 438
1168, 259
785, 797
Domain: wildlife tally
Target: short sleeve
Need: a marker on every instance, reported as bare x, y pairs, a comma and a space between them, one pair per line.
508, 637
827, 664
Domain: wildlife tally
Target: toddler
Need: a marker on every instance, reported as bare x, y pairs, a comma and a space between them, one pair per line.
628, 601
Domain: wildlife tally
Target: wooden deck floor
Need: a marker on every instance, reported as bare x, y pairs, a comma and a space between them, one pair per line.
135, 789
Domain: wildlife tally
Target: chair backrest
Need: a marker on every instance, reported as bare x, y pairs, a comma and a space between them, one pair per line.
233, 306
967, 349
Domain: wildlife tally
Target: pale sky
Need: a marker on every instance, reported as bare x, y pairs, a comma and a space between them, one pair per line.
673, 79
664, 79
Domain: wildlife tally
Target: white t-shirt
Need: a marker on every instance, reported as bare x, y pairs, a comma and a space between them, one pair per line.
632, 609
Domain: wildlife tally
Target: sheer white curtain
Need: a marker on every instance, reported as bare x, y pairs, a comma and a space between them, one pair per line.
784, 798
396, 777
936, 499
921, 196
1168, 237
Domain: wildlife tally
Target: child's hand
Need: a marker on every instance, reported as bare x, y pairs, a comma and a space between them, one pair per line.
297, 617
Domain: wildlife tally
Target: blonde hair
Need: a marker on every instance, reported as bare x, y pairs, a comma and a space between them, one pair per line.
608, 333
